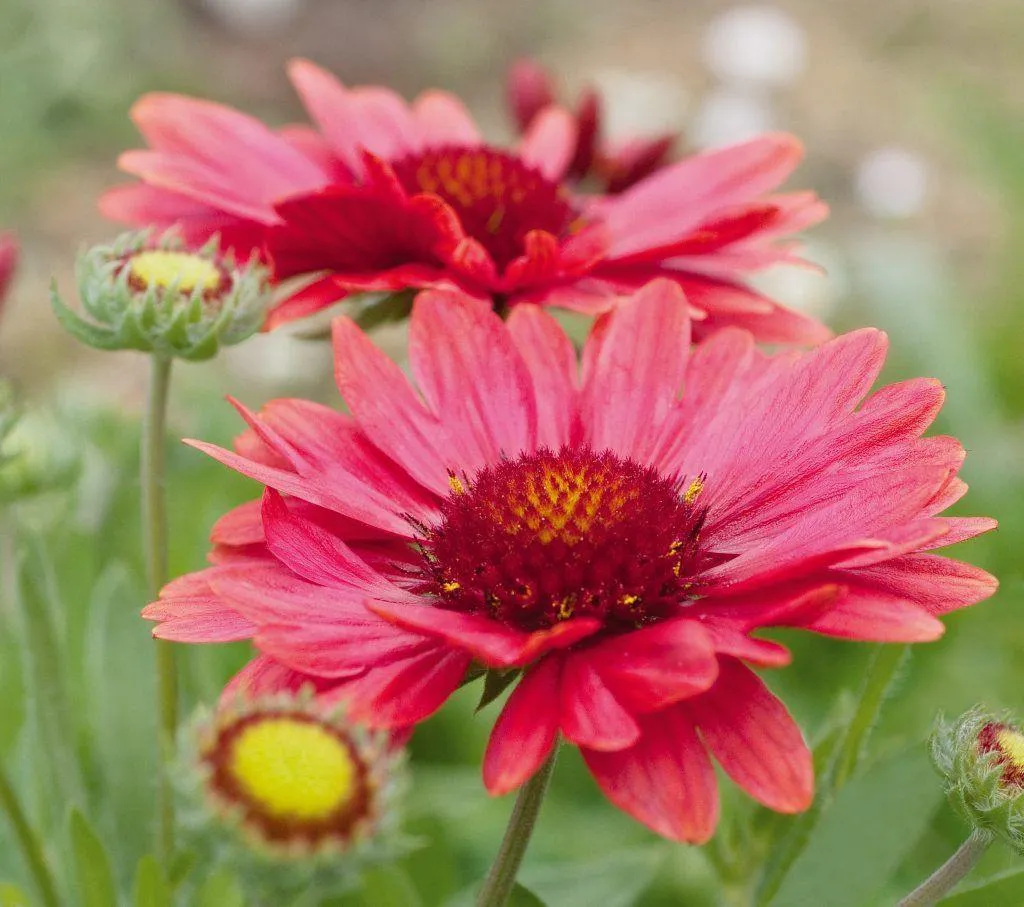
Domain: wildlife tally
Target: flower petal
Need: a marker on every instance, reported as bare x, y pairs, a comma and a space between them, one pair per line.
665, 781
549, 142
756, 741
525, 731
591, 715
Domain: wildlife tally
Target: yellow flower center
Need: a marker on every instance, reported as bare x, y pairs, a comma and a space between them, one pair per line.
294, 769
1011, 743
159, 268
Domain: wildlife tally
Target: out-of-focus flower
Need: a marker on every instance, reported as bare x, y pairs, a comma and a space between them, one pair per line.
616, 541
611, 168
156, 297
981, 760
8, 263
389, 196
296, 783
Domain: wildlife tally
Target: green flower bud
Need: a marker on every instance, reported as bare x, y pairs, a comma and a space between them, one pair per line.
159, 298
981, 760
291, 793
35, 455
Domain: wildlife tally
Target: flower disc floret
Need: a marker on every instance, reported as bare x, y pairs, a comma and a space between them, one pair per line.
184, 271
548, 536
498, 198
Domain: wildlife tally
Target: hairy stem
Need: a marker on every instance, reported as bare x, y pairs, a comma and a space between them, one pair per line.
945, 878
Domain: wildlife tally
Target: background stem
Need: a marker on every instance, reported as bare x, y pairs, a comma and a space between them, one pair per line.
29, 843
154, 526
502, 876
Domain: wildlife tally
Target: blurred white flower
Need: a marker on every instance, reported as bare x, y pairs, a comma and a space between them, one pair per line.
254, 17
892, 183
640, 104
755, 45
808, 290
726, 116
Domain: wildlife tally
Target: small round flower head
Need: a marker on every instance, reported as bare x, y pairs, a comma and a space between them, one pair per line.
294, 783
158, 297
981, 759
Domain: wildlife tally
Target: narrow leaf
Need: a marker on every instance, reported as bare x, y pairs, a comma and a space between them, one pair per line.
495, 683
94, 880
1004, 888
220, 890
616, 880
389, 887
151, 888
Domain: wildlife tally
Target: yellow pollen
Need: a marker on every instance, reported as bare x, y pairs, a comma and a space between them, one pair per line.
693, 492
159, 268
566, 607
1011, 743
451, 587
293, 769
455, 484
628, 600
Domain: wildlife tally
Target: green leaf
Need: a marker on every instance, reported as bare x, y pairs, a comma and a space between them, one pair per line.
616, 880
94, 880
151, 888
522, 897
389, 887
871, 826
221, 889
12, 896
495, 683
1004, 888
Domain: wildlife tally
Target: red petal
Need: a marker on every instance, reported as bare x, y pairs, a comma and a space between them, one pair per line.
525, 730
591, 715
756, 741
666, 781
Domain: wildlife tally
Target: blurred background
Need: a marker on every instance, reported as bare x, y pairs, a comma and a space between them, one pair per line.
912, 112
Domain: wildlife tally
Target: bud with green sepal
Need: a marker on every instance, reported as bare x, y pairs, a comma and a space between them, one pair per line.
155, 296
291, 793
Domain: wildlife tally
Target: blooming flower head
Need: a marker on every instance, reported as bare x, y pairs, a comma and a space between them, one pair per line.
610, 167
155, 296
387, 196
618, 542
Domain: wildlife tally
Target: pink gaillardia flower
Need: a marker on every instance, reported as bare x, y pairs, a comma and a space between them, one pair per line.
388, 196
611, 168
616, 541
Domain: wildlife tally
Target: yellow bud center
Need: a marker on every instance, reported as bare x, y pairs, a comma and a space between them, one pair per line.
159, 268
1011, 743
294, 769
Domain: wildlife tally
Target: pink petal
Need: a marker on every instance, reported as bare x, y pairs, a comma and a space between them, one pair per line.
549, 142
388, 410
473, 379
665, 781
197, 620
591, 715
313, 297
495, 644
675, 200
525, 730
756, 741
405, 692
633, 366
528, 89
551, 361
878, 618
354, 120
442, 119
263, 676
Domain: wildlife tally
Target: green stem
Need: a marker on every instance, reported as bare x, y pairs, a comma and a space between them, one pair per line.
154, 524
29, 843
949, 874
502, 876
886, 663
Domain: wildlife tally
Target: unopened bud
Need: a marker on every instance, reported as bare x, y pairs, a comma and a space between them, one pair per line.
981, 760
158, 297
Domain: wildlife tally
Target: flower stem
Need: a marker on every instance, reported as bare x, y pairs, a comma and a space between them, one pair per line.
154, 523
502, 876
946, 877
29, 842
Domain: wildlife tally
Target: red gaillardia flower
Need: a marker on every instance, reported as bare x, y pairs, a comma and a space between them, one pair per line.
388, 196
616, 541
610, 168
8, 262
